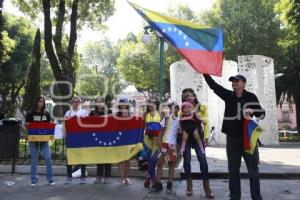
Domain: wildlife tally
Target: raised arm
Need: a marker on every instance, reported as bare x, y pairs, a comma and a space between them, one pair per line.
218, 89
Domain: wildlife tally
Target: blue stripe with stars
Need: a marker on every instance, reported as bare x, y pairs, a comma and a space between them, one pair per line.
179, 39
104, 139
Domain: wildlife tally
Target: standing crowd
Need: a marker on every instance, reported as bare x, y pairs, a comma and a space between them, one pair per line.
166, 137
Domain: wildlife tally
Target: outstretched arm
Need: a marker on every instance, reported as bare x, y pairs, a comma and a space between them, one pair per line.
218, 89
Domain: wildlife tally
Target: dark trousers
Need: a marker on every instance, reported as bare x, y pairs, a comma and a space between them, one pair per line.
201, 158
69, 170
104, 170
235, 152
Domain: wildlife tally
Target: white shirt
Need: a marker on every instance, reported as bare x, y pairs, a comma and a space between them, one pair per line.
172, 135
78, 113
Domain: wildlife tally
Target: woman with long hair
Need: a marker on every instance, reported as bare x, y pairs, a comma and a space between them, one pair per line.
103, 170
124, 166
188, 95
39, 114
152, 120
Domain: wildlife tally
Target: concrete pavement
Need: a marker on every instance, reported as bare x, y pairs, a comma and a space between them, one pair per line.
271, 190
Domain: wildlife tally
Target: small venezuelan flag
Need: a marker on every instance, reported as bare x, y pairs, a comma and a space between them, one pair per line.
252, 132
201, 46
106, 139
40, 131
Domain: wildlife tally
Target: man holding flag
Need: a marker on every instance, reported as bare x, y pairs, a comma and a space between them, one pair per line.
242, 133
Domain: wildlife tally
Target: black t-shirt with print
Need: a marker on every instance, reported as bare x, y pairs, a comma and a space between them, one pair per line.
38, 117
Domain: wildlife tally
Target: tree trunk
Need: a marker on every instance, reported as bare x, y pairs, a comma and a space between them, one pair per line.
32, 85
297, 102
72, 41
62, 71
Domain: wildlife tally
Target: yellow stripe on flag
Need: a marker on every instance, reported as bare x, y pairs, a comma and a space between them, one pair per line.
253, 141
97, 155
157, 17
40, 138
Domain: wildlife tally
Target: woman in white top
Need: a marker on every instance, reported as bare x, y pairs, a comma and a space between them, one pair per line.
78, 112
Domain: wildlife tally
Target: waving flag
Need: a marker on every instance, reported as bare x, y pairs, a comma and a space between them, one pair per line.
202, 47
106, 139
40, 131
252, 131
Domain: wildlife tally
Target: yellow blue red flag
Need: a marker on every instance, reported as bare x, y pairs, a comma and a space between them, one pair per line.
105, 139
40, 131
252, 132
201, 46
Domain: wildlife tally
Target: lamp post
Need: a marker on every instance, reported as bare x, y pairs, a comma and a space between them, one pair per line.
162, 47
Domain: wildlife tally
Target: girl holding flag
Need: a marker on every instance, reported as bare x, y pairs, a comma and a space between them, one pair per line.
151, 139
39, 114
124, 166
103, 170
75, 111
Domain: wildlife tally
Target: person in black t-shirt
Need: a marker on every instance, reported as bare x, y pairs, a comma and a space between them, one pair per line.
103, 170
39, 114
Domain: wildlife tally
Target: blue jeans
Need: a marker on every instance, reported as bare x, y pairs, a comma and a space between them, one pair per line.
201, 158
35, 147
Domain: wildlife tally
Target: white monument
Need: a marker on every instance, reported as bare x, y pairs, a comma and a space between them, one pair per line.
261, 73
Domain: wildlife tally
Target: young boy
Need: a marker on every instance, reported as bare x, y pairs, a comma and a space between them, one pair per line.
168, 142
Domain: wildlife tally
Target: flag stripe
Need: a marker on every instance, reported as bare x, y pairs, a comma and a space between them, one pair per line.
104, 139
97, 155
40, 125
40, 138
150, 15
206, 39
206, 61
41, 131
102, 124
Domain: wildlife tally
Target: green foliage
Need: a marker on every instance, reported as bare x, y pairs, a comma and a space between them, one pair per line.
98, 74
8, 46
287, 84
13, 71
90, 12
32, 82
289, 14
250, 27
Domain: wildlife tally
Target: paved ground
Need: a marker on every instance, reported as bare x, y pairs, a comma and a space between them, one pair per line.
283, 159
271, 190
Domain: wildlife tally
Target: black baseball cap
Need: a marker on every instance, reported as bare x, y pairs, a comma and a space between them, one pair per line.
238, 78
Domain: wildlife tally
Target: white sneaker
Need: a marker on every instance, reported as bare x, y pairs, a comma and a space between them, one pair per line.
33, 185
51, 183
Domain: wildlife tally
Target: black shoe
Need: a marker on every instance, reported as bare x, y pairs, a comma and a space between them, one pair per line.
156, 187
169, 187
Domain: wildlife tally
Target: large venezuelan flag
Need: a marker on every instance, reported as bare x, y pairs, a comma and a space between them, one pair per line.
252, 132
40, 131
106, 139
201, 46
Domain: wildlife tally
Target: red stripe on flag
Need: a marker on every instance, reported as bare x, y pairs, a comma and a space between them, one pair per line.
206, 62
40, 125
246, 135
102, 124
